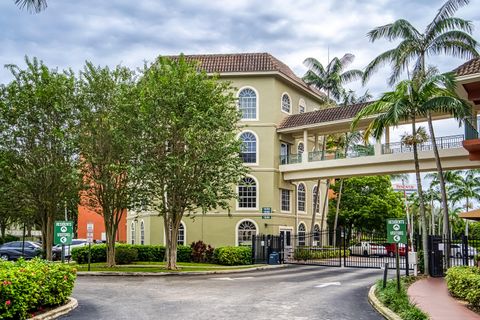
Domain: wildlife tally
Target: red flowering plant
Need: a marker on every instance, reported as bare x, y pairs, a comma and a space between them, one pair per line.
28, 286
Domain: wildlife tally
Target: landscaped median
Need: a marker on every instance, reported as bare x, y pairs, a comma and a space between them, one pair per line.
31, 287
395, 305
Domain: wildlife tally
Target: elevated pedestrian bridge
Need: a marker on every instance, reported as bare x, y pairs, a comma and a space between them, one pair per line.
389, 158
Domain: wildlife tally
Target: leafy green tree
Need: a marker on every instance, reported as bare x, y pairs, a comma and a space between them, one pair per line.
39, 119
109, 145
190, 146
332, 77
32, 5
445, 34
366, 203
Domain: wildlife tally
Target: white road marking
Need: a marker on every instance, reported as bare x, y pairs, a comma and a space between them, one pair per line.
232, 279
323, 285
228, 279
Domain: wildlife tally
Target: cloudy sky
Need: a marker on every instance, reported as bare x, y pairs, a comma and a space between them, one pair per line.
129, 32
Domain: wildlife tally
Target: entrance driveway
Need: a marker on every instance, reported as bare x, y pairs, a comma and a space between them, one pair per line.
295, 292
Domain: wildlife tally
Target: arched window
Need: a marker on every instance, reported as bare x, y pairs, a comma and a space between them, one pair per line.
300, 148
142, 232
132, 233
246, 230
315, 197
247, 104
301, 106
285, 103
249, 147
181, 235
301, 234
316, 233
301, 197
247, 193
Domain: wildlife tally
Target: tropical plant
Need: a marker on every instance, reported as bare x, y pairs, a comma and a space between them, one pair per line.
32, 5
445, 34
465, 187
332, 77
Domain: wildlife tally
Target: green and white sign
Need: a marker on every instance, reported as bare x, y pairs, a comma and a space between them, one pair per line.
266, 213
63, 232
396, 231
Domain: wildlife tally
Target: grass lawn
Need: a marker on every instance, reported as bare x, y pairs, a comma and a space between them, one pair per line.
160, 267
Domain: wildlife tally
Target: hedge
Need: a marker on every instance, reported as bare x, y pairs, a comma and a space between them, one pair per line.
27, 287
143, 253
464, 283
233, 256
318, 253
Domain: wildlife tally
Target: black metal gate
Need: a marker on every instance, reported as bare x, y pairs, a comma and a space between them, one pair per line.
318, 248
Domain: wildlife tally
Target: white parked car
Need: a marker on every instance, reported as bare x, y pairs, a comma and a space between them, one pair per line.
457, 251
367, 248
57, 250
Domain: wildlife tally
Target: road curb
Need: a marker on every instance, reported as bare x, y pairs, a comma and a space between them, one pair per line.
163, 274
57, 312
377, 305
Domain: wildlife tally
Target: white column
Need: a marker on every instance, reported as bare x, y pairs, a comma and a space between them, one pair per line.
305, 147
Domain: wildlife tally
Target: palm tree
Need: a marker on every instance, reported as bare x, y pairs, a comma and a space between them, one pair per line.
466, 187
332, 77
32, 5
445, 34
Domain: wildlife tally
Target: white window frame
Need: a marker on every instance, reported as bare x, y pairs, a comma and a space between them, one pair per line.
257, 192
289, 200
142, 232
281, 103
133, 233
301, 103
306, 200
313, 199
257, 149
304, 235
184, 233
238, 225
298, 147
256, 102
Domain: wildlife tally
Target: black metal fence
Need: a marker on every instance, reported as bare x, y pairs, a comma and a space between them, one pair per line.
318, 248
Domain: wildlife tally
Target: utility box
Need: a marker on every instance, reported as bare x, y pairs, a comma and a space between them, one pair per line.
412, 258
274, 258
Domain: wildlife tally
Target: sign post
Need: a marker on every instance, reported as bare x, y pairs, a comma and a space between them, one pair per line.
63, 234
397, 233
89, 240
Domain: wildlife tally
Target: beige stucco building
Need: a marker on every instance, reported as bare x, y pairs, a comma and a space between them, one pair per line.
268, 92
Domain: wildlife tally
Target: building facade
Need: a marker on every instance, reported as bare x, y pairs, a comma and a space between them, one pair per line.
268, 92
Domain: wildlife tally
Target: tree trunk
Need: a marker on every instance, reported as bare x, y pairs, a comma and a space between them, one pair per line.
49, 236
172, 223
3, 229
423, 221
325, 202
438, 163
110, 235
337, 211
314, 214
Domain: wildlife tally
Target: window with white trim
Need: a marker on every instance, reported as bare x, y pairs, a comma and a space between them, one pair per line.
249, 147
246, 230
284, 151
300, 148
181, 235
285, 199
286, 103
142, 232
301, 197
247, 193
301, 234
132, 233
301, 106
247, 104
316, 233
315, 197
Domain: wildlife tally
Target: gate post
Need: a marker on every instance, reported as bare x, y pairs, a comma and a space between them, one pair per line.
254, 247
282, 248
343, 246
465, 250
407, 266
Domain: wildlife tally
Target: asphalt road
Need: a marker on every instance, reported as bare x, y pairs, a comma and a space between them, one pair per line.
296, 292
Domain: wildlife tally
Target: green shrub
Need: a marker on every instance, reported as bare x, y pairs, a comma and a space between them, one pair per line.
398, 302
125, 254
464, 283
145, 253
233, 256
28, 286
307, 253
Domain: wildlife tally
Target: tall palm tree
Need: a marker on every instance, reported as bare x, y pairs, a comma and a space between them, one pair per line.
445, 34
32, 5
410, 100
466, 187
332, 77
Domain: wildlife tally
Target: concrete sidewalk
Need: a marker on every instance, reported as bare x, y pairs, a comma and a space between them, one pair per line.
431, 295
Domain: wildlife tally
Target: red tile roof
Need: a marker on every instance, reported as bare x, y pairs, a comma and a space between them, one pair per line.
325, 115
469, 67
244, 63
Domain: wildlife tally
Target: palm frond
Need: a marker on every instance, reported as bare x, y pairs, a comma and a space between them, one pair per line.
449, 24
447, 10
452, 105
315, 66
32, 5
351, 75
381, 60
392, 31
454, 48
346, 60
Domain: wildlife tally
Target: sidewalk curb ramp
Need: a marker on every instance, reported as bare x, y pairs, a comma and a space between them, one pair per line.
163, 274
58, 311
377, 305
